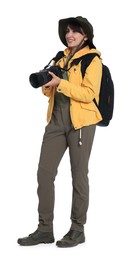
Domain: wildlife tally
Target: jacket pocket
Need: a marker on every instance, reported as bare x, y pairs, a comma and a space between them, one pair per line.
88, 106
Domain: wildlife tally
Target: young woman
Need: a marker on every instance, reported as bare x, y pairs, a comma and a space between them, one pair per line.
72, 116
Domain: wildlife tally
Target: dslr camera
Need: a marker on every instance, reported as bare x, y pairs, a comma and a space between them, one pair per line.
38, 79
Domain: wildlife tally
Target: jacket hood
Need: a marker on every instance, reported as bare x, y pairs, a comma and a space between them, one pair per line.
82, 52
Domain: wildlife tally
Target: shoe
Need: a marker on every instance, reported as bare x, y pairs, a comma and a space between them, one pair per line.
36, 238
72, 238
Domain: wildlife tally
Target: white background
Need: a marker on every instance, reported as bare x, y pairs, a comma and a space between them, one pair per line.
28, 40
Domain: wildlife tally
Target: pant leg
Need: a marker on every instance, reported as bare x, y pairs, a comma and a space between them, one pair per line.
79, 159
53, 147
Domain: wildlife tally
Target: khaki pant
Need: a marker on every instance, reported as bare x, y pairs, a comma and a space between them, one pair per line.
60, 135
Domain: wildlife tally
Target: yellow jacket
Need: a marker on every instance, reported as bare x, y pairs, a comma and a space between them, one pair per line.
81, 92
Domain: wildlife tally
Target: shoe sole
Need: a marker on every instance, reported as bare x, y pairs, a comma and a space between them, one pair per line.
68, 245
36, 243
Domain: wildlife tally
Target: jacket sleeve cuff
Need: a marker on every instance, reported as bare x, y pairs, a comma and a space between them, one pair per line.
63, 87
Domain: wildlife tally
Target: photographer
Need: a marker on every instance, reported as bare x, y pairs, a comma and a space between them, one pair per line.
72, 116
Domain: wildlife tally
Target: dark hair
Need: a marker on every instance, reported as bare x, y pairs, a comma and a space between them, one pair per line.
76, 27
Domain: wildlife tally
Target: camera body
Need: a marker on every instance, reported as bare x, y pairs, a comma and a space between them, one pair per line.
38, 79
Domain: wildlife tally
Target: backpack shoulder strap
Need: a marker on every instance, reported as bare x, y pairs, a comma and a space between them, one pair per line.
58, 56
85, 61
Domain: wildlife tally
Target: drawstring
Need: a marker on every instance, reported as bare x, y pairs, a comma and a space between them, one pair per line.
80, 136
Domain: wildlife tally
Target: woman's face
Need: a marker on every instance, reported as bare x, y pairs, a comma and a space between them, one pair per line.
74, 38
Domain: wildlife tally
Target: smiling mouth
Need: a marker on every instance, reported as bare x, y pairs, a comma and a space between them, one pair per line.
70, 41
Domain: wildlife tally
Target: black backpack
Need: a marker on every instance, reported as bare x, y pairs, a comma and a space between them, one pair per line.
106, 96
